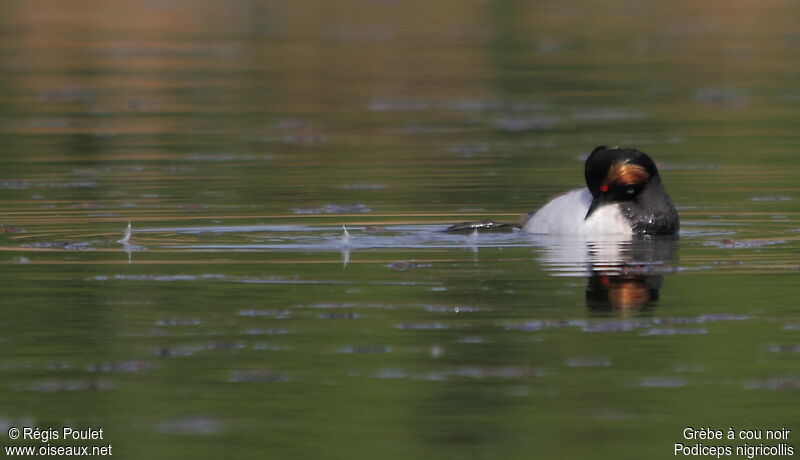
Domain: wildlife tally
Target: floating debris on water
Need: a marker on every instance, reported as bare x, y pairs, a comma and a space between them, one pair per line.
675, 331
537, 325
506, 372
612, 326
473, 372
260, 331
391, 374
58, 366
421, 326
471, 339
59, 386
451, 309
784, 348
276, 314
178, 351
729, 243
588, 362
729, 97
178, 322
689, 368
712, 317
364, 349
780, 383
698, 319
74, 184
649, 327
338, 315
257, 376
9, 229
61, 245
209, 277
225, 345
269, 347
436, 351
123, 366
330, 305
771, 198
191, 425
402, 266
662, 382
162, 278
14, 184
469, 150
334, 209
223, 157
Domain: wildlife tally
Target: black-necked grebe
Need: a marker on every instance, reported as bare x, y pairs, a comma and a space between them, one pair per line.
623, 196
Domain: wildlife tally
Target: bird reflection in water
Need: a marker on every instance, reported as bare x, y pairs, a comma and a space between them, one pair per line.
623, 275
622, 292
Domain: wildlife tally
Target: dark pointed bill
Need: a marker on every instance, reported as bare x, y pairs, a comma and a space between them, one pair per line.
596, 203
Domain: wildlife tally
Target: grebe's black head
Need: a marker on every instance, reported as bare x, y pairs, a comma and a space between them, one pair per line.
618, 173
630, 178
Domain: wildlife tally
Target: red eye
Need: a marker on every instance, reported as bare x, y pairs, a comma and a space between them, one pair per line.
604, 188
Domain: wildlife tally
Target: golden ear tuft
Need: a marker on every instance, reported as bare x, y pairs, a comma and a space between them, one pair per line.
626, 173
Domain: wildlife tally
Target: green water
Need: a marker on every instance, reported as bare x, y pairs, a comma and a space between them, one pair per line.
238, 137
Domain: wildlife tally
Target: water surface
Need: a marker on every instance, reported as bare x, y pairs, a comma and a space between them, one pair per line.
239, 137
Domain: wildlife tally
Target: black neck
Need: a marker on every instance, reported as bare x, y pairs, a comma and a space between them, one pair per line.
652, 212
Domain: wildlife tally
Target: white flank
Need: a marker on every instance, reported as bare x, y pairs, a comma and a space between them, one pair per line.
566, 215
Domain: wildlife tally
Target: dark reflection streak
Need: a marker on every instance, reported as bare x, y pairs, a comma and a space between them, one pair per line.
623, 276
639, 279
622, 293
